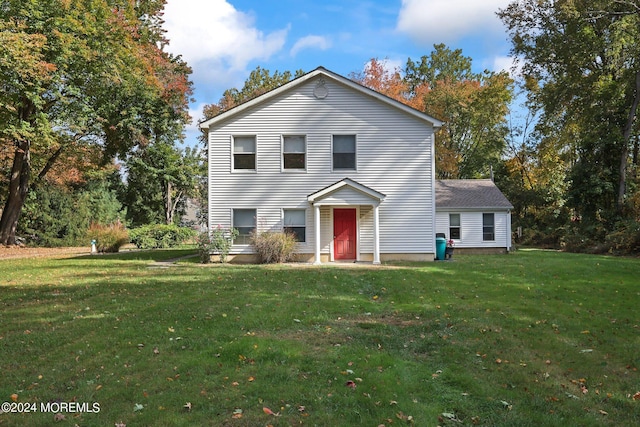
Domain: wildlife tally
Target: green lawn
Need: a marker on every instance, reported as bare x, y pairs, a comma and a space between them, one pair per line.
534, 338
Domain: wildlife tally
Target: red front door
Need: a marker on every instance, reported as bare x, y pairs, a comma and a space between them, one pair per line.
344, 232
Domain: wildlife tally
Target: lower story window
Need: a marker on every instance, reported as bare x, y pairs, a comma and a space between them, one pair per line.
244, 220
295, 223
488, 227
454, 226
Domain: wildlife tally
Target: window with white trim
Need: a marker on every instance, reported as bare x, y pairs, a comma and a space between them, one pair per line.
344, 152
244, 220
244, 152
294, 152
488, 227
454, 226
295, 222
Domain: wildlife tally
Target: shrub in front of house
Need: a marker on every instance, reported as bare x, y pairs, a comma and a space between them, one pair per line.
109, 238
160, 236
219, 243
274, 247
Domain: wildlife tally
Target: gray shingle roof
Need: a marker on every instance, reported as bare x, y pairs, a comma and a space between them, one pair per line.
469, 193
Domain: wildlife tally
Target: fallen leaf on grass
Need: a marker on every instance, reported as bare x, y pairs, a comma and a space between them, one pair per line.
350, 384
138, 407
59, 417
187, 406
603, 412
270, 412
14, 397
636, 396
403, 417
237, 413
449, 416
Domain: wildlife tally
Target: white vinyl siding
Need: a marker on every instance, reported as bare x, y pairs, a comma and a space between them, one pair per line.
394, 157
471, 229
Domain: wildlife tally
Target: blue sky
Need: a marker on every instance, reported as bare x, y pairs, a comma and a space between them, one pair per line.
224, 40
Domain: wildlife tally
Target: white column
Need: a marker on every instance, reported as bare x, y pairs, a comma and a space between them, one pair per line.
316, 224
376, 235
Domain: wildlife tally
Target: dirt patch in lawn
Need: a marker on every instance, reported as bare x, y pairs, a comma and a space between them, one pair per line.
9, 252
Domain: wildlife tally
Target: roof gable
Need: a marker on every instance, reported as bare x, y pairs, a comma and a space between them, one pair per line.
321, 71
470, 194
348, 188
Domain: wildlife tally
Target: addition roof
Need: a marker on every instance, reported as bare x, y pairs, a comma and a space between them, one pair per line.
470, 194
321, 71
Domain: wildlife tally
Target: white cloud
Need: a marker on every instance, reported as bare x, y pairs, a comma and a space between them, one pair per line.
444, 21
215, 33
316, 42
505, 63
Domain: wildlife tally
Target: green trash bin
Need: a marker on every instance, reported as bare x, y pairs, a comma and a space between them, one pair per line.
441, 248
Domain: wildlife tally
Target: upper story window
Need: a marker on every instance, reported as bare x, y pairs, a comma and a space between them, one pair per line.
344, 152
454, 226
244, 152
295, 223
488, 227
294, 152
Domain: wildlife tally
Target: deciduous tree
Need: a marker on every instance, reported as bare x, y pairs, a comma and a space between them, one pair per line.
473, 106
76, 73
160, 177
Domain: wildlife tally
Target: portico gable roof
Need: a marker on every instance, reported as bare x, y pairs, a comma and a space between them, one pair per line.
346, 192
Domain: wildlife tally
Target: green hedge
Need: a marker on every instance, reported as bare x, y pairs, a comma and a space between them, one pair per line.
156, 236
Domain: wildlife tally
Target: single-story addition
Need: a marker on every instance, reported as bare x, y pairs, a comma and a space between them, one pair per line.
474, 214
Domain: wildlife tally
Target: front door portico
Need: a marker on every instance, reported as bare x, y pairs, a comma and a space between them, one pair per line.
345, 198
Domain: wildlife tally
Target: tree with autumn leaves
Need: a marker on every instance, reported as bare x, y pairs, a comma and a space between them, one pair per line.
82, 76
473, 106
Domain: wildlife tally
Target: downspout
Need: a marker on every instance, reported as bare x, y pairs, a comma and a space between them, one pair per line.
433, 193
508, 231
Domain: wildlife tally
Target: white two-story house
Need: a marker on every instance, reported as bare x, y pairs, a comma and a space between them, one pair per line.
348, 170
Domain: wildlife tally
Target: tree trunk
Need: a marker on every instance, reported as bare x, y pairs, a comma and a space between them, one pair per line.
624, 155
18, 188
170, 203
168, 212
